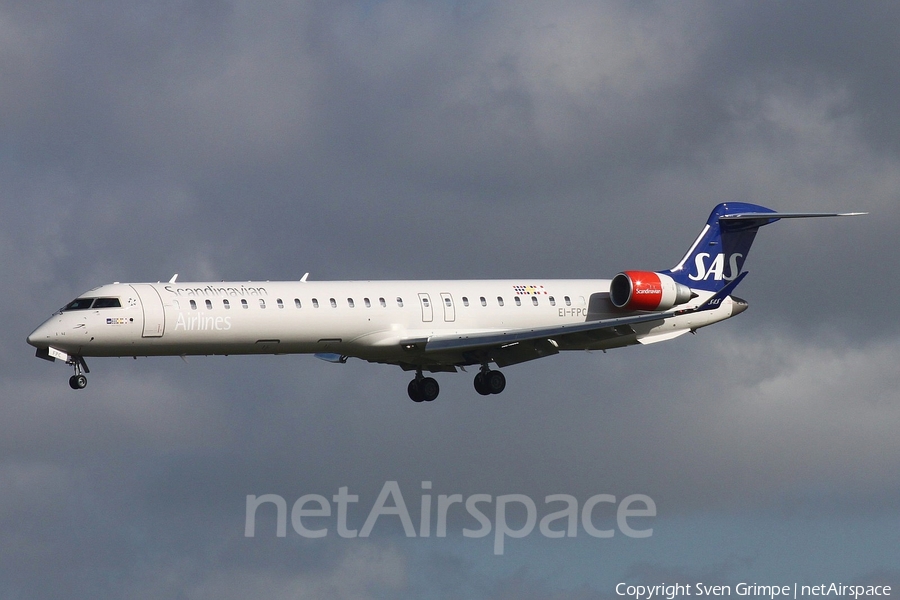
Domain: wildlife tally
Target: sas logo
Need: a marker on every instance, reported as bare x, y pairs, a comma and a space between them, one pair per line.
716, 269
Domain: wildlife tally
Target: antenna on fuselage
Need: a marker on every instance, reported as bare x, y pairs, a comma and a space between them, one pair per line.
174, 277
303, 279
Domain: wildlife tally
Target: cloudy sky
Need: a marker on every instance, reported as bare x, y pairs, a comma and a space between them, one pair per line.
245, 140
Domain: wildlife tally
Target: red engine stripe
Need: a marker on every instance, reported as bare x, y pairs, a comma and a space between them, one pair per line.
646, 290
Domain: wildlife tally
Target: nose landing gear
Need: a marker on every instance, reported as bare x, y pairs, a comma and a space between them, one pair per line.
78, 381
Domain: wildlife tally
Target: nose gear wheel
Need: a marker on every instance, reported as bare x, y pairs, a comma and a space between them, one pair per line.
78, 381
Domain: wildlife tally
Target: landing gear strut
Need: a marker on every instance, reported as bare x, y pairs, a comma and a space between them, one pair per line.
78, 381
423, 389
489, 382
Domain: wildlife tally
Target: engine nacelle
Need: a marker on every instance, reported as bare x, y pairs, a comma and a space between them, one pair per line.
646, 290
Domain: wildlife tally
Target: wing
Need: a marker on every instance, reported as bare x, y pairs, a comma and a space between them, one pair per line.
444, 352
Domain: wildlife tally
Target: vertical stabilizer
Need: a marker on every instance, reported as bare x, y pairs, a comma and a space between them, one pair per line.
718, 254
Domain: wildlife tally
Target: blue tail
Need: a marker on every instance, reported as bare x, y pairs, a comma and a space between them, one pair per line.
717, 256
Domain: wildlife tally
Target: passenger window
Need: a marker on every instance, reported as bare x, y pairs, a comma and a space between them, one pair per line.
333, 303
368, 304
297, 302
552, 301
382, 302
244, 303
226, 304
315, 303
483, 301
425, 302
399, 301
534, 300
518, 301
262, 303
350, 303
447, 302
193, 305
568, 301
279, 303
580, 300
500, 300
208, 304
465, 301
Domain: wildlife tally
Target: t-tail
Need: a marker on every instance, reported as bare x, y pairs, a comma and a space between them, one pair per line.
717, 256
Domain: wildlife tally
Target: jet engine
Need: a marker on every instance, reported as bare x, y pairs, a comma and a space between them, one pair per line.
646, 290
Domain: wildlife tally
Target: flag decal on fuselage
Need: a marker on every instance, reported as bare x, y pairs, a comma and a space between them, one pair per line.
529, 290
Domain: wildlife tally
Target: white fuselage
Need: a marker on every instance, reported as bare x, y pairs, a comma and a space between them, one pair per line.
364, 319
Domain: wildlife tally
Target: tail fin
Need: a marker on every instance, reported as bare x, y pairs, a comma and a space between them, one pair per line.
718, 254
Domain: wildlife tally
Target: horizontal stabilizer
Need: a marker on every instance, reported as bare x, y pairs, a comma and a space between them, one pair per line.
785, 215
743, 220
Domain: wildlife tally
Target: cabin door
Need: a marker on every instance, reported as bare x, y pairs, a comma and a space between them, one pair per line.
154, 314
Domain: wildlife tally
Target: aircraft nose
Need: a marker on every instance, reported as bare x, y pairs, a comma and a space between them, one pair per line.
40, 337
738, 305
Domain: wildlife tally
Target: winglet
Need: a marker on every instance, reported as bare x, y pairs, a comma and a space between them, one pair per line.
331, 357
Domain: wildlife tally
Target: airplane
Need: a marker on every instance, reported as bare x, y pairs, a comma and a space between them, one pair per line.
433, 326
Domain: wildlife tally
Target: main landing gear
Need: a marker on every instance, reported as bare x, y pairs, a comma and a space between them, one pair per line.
423, 389
489, 382
78, 381
426, 389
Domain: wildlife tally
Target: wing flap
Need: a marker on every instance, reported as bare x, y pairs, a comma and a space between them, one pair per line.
519, 352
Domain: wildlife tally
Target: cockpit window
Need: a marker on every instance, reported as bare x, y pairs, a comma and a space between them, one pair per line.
86, 303
79, 304
107, 303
